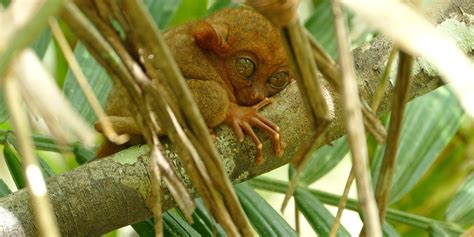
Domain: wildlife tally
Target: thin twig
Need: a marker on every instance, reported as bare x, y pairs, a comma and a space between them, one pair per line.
135, 80
378, 94
376, 100
355, 127
402, 89
26, 31
304, 68
299, 161
156, 192
42, 208
172, 76
342, 203
297, 219
330, 71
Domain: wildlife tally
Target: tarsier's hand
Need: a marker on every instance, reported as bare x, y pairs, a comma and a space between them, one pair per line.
243, 119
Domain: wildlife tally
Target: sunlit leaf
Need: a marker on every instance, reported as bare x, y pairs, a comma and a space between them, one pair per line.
3, 108
62, 66
437, 230
14, 165
447, 173
189, 10
162, 11
41, 142
41, 44
323, 160
316, 214
98, 79
389, 231
219, 4
4, 190
321, 26
265, 220
461, 208
429, 124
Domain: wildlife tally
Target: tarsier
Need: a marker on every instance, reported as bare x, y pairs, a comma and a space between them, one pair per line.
232, 62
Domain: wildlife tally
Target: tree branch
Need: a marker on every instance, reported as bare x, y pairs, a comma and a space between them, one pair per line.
113, 192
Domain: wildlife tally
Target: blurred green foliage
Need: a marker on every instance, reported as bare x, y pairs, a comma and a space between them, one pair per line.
430, 180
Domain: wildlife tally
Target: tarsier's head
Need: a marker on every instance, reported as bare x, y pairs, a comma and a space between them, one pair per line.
250, 47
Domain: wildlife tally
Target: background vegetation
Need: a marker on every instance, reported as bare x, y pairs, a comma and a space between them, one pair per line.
433, 192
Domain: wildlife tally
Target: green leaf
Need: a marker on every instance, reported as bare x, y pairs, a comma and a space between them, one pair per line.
447, 173
262, 216
220, 4
62, 66
321, 25
144, 228
47, 143
5, 3
175, 225
389, 231
393, 215
437, 230
316, 214
162, 11
45, 168
324, 160
4, 190
82, 154
461, 208
3, 108
203, 223
41, 141
14, 165
429, 124
98, 79
41, 44
189, 10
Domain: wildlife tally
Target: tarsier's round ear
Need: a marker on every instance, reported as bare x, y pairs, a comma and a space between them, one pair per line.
211, 37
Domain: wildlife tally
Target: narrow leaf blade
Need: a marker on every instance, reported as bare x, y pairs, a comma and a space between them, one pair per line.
316, 214
4, 189
14, 165
175, 225
430, 123
97, 78
144, 228
324, 160
262, 216
461, 208
162, 11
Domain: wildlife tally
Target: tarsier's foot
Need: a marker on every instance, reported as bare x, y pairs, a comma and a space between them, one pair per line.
244, 119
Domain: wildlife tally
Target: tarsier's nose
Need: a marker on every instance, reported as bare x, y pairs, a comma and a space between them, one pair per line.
256, 96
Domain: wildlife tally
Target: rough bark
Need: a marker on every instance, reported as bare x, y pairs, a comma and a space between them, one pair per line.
113, 192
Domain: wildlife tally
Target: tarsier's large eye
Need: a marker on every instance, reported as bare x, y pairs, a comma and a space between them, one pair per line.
245, 66
279, 80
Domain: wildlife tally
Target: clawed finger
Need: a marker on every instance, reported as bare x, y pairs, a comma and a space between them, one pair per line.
274, 135
248, 129
238, 131
268, 122
263, 103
